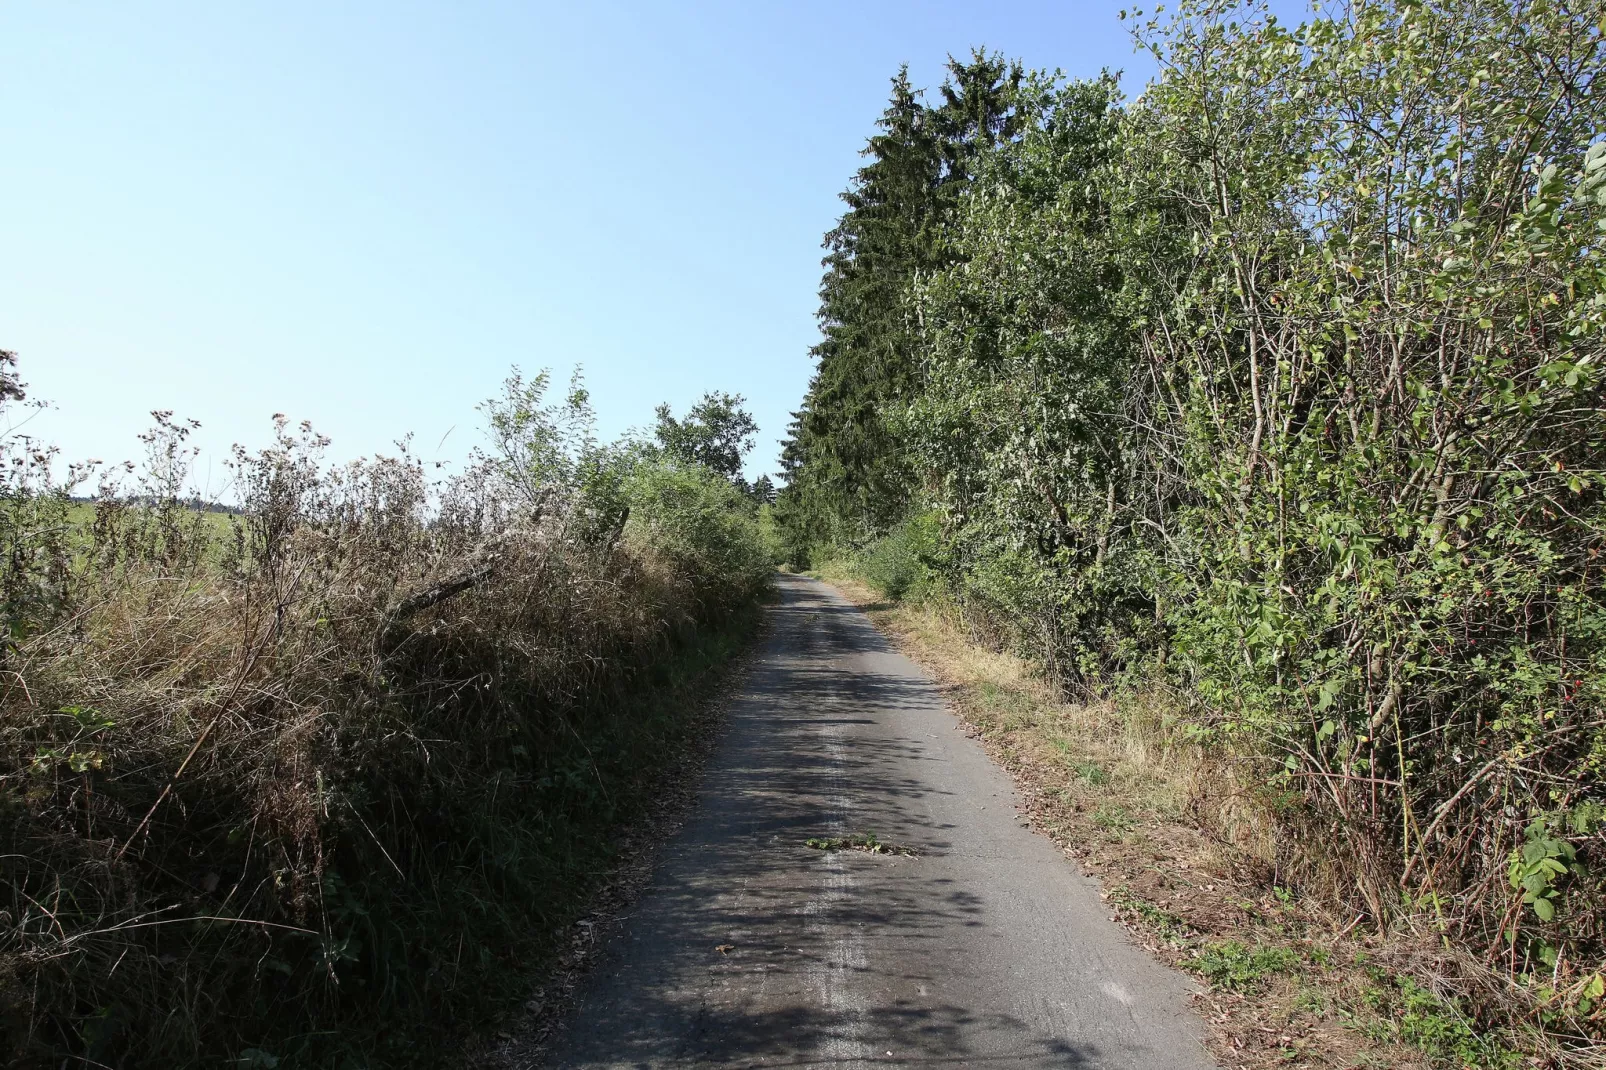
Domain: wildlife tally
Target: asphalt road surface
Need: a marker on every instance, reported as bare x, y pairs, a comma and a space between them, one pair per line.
750, 948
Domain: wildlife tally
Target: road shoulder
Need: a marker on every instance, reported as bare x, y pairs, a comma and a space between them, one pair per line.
523, 1041
1121, 802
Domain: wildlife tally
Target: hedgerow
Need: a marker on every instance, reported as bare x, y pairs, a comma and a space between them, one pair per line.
311, 783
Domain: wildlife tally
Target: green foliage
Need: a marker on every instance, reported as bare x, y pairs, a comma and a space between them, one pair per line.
1091, 772
1028, 361
1234, 965
716, 433
1538, 866
1380, 485
901, 563
695, 518
770, 534
1437, 1026
848, 474
1113, 818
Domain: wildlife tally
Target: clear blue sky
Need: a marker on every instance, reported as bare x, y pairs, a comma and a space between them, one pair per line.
362, 214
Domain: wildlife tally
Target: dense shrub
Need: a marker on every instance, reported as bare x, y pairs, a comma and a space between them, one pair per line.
703, 525
900, 563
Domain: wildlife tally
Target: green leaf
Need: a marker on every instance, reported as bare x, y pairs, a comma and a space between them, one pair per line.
1545, 909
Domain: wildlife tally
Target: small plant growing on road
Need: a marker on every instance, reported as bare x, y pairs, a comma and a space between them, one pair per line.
866, 842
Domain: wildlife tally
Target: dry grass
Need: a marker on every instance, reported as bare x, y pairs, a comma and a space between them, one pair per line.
1194, 862
319, 785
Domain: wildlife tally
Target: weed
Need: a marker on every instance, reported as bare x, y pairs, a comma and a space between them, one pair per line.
1234, 965
1090, 772
1171, 928
866, 842
1113, 818
1435, 1025
1312, 1000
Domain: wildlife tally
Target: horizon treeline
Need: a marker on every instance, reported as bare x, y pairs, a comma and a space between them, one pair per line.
1277, 387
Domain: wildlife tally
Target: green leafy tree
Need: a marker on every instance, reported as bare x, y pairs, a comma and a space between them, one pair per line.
1028, 356
716, 433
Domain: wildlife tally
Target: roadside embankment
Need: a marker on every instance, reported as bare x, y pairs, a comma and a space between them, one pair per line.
1186, 848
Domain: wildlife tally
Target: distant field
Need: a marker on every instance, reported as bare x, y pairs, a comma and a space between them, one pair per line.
216, 527
83, 513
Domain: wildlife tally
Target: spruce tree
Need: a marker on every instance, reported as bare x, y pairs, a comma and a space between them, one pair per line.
980, 110
847, 472
865, 352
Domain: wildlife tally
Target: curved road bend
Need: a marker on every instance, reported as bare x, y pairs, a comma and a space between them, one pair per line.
988, 949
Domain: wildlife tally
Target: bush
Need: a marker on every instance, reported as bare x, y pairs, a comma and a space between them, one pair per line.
900, 563
702, 524
772, 535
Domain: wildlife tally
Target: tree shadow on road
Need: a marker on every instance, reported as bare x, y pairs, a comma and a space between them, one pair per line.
752, 949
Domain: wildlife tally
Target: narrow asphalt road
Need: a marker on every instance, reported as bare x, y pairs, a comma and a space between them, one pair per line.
752, 949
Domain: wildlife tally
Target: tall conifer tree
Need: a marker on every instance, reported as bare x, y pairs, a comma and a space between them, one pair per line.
886, 235
847, 473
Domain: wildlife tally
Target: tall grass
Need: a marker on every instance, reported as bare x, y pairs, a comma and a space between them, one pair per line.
312, 786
